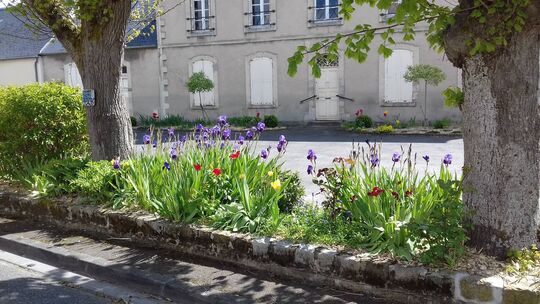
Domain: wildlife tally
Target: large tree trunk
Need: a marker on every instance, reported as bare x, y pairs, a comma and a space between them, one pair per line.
99, 58
501, 134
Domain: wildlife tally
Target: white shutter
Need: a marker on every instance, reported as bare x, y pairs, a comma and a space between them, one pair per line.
207, 67
72, 76
262, 86
396, 89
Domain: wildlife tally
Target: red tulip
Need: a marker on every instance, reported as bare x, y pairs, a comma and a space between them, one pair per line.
197, 167
376, 191
217, 171
235, 155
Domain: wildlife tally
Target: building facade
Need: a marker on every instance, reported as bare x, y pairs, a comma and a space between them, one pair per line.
243, 46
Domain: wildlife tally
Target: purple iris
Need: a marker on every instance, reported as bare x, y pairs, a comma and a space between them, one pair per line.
311, 155
171, 132
374, 159
249, 135
183, 138
261, 126
146, 139
116, 164
174, 153
226, 134
426, 158
205, 135
222, 119
222, 146
264, 154
280, 146
396, 156
309, 169
199, 127
167, 166
241, 139
447, 160
207, 144
216, 130
282, 139
155, 144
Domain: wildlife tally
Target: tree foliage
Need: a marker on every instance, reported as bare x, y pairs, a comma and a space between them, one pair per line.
198, 82
496, 20
432, 75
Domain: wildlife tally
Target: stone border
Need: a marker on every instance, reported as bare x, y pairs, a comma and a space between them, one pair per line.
316, 264
410, 131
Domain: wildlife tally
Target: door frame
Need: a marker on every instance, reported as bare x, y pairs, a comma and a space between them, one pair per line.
311, 115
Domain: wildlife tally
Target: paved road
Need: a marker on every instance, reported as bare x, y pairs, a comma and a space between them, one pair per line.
23, 286
330, 141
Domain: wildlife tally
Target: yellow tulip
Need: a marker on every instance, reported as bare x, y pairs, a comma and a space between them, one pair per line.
276, 184
270, 173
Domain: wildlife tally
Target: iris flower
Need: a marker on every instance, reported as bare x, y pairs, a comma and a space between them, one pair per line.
396, 156
309, 169
241, 140
374, 159
167, 166
426, 158
146, 139
447, 160
311, 155
222, 119
261, 126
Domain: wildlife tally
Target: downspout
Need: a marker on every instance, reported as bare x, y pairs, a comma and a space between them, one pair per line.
163, 106
36, 69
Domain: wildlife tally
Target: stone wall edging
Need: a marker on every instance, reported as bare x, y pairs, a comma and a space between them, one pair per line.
340, 269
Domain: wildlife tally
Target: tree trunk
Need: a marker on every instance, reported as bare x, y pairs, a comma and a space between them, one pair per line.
99, 59
501, 134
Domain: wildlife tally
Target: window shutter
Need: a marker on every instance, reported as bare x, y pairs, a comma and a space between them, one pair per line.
396, 89
207, 67
262, 89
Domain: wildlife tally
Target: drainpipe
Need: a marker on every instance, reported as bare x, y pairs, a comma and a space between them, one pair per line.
163, 106
36, 73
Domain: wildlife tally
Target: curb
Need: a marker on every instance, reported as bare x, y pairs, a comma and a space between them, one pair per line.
77, 281
100, 269
317, 265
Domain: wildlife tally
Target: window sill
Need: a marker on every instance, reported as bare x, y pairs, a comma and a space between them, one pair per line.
195, 108
332, 22
399, 104
201, 33
273, 106
259, 28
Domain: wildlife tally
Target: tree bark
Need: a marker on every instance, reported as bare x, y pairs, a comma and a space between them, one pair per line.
96, 45
501, 134
99, 59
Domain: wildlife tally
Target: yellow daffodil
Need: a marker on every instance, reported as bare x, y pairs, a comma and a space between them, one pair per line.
276, 184
242, 176
270, 173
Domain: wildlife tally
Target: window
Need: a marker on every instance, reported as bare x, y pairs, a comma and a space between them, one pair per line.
391, 12
205, 98
72, 76
326, 10
260, 12
261, 74
201, 15
396, 89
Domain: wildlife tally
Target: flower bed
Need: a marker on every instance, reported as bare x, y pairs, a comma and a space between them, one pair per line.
216, 178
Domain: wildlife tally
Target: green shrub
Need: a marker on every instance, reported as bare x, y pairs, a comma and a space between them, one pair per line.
133, 121
441, 124
363, 121
39, 123
51, 178
243, 121
97, 180
385, 129
168, 121
293, 194
271, 121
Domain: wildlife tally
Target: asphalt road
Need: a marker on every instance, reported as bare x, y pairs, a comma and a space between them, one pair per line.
23, 286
